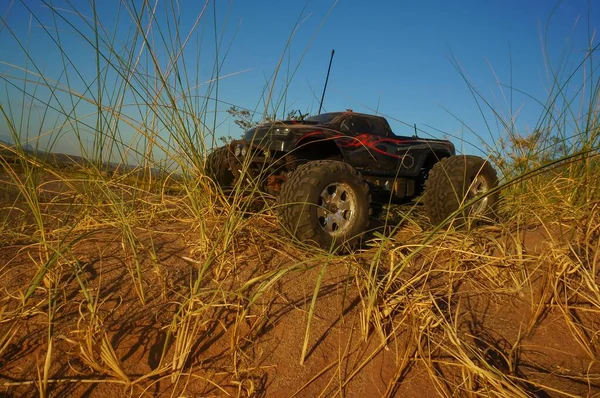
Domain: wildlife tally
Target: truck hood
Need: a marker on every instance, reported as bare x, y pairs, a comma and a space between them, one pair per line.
277, 130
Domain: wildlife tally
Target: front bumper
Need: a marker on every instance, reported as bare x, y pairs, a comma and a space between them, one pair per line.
255, 159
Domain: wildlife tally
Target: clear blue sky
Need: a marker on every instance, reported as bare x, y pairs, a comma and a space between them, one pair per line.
396, 57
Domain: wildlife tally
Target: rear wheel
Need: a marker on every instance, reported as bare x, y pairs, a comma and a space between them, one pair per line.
454, 182
326, 203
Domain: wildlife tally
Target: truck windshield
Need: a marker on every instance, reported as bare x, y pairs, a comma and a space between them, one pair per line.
323, 118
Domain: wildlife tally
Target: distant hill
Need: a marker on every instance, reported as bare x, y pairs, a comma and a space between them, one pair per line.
61, 160
5, 141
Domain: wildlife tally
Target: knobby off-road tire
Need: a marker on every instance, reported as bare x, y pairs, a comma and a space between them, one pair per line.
455, 181
217, 168
325, 203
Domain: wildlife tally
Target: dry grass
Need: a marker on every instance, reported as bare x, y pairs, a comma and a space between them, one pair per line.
141, 296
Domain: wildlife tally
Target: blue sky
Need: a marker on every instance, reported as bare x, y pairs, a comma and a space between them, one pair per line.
398, 58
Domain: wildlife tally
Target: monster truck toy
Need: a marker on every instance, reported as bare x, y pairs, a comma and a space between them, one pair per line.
328, 170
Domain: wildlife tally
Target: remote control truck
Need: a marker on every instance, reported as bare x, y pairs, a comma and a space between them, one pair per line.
330, 170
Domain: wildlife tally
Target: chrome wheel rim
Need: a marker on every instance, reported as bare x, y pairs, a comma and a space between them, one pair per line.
479, 186
337, 206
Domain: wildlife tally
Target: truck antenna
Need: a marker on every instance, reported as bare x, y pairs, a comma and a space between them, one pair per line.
416, 135
326, 80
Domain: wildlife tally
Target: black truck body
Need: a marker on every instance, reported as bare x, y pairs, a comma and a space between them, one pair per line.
388, 162
329, 173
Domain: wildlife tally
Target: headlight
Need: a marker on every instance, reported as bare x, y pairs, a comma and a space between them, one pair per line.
238, 150
244, 151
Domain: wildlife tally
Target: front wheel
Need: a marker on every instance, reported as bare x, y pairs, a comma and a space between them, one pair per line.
326, 203
217, 168
455, 181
